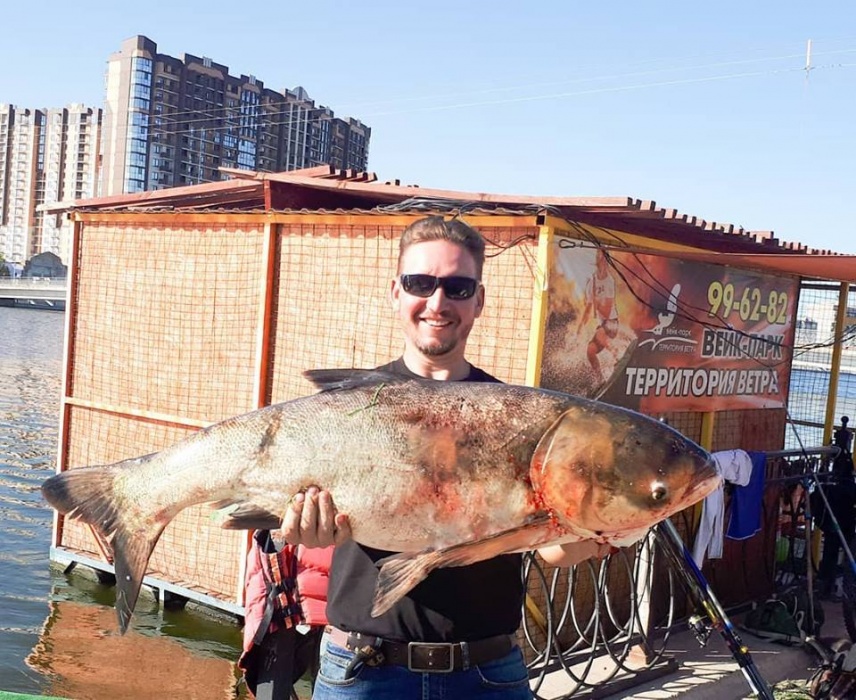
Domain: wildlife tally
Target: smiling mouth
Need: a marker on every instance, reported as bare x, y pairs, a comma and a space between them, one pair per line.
436, 322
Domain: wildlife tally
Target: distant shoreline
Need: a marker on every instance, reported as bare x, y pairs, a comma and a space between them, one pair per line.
821, 367
820, 360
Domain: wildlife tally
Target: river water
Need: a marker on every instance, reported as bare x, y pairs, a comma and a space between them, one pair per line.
807, 399
57, 630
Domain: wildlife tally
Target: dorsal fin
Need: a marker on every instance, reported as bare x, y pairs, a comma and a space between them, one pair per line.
339, 379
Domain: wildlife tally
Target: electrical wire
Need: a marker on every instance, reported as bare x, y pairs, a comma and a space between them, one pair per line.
234, 112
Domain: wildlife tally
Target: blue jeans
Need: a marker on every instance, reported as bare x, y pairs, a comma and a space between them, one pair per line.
502, 679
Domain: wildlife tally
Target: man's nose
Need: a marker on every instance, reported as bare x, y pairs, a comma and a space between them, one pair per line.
437, 300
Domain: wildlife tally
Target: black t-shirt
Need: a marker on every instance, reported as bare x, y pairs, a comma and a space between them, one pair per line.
456, 604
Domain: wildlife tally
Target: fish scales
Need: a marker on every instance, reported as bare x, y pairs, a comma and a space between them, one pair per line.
424, 466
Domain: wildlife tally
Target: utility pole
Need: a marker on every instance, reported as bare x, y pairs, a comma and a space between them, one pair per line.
808, 66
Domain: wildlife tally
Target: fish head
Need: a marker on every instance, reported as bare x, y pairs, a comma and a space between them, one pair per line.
605, 471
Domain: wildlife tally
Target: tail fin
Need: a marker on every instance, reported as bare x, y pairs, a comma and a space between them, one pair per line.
131, 553
88, 494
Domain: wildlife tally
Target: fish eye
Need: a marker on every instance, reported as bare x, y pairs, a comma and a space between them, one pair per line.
659, 491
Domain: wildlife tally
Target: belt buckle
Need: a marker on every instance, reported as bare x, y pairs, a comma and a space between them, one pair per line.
430, 648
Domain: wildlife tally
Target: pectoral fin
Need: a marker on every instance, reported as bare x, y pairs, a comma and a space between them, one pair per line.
245, 516
400, 573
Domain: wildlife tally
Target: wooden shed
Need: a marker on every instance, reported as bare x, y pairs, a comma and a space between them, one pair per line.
193, 304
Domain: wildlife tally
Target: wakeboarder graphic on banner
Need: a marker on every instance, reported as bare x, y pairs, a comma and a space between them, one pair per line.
657, 333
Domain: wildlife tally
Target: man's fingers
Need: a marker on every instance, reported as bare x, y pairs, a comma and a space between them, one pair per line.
326, 518
309, 518
343, 529
605, 550
291, 519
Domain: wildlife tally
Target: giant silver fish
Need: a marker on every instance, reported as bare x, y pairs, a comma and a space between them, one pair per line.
447, 473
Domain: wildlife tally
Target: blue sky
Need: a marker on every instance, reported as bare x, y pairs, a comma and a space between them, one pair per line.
703, 107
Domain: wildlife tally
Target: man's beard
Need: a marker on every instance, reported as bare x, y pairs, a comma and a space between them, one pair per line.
437, 349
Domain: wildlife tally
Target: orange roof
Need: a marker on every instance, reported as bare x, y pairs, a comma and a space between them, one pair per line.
325, 187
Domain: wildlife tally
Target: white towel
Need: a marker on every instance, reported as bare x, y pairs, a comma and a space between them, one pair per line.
734, 466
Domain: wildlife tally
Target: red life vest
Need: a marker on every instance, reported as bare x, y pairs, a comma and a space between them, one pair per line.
283, 588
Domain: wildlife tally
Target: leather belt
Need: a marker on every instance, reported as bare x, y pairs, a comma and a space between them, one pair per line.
425, 657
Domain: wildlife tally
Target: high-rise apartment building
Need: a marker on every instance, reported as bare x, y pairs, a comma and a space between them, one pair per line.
174, 121
46, 156
334, 140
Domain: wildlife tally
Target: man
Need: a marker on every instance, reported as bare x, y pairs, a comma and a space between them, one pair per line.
459, 619
843, 437
841, 494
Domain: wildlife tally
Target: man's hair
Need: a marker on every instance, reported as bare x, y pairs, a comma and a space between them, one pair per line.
435, 228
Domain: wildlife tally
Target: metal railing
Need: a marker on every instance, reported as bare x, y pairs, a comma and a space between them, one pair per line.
593, 632
32, 288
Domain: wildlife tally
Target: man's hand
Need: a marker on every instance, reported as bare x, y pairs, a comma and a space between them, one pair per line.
574, 552
311, 519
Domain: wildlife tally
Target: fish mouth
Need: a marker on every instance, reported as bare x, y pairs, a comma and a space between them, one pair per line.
703, 478
705, 481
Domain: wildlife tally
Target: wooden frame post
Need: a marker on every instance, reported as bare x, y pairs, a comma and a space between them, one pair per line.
262, 362
835, 368
539, 306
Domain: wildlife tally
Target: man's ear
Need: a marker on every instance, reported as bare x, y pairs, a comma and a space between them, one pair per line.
480, 300
394, 293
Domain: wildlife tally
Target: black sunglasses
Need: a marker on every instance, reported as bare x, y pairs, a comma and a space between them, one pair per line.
457, 288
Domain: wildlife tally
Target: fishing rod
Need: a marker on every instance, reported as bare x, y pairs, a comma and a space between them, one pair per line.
699, 589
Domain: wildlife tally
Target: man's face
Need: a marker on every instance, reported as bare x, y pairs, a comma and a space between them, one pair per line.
436, 325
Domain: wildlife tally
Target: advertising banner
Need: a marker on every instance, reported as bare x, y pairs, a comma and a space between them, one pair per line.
658, 334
